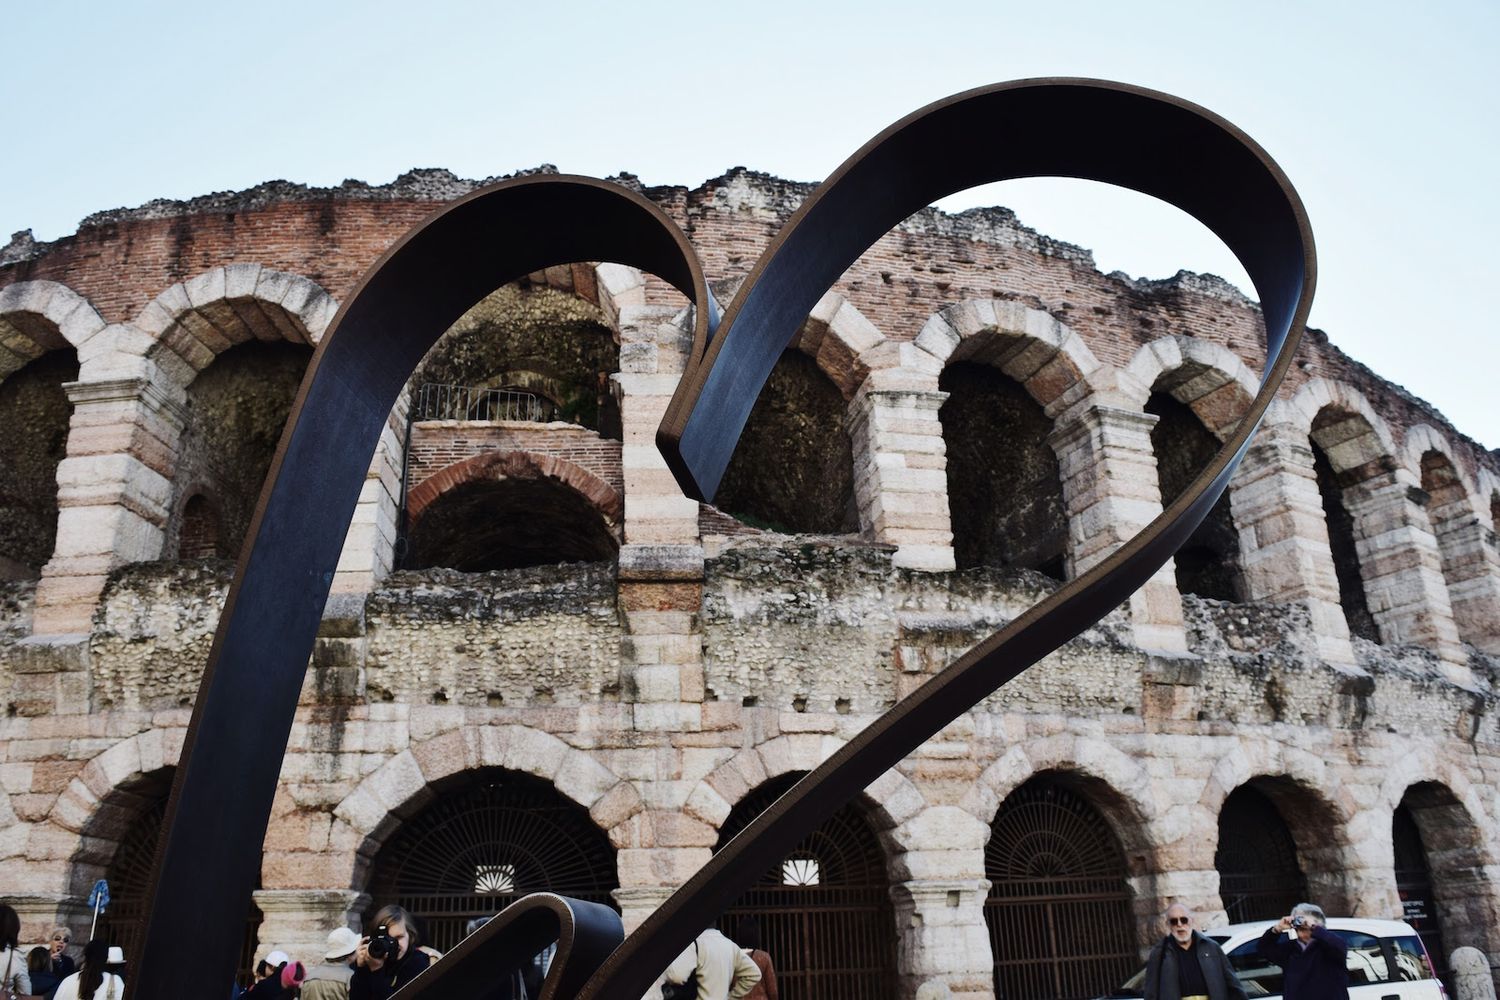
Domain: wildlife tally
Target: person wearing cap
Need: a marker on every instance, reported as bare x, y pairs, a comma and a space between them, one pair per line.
276, 976
330, 980
99, 978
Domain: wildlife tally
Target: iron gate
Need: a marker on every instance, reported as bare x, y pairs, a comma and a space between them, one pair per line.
825, 911
1259, 877
483, 844
1059, 910
129, 876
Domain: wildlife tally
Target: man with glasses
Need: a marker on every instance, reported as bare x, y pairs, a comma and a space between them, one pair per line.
1185, 965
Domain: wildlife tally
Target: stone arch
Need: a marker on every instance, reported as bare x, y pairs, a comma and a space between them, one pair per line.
1208, 378
1364, 439
1297, 784
1447, 878
196, 320
1008, 372
41, 316
1112, 781
403, 785
464, 479
1423, 439
893, 798
793, 470
1488, 507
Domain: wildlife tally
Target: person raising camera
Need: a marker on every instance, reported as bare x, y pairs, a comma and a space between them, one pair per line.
388, 959
1313, 959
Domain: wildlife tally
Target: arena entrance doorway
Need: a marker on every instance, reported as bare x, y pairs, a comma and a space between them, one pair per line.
1259, 875
491, 837
825, 910
1059, 911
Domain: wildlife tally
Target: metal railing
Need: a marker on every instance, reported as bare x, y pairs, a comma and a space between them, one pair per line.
433, 401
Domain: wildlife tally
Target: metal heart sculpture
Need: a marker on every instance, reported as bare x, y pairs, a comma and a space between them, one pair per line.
209, 854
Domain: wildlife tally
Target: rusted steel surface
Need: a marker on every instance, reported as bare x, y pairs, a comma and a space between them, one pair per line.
223, 789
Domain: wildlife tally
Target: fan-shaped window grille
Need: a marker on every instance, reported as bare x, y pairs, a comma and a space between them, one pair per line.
1259, 877
1059, 910
824, 910
129, 875
484, 843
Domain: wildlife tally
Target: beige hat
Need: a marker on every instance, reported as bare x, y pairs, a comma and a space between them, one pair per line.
116, 955
341, 943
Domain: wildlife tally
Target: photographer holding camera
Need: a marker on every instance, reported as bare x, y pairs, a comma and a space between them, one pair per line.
1314, 958
388, 959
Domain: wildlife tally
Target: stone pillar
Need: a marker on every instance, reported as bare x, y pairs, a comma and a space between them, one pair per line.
1471, 567
1110, 487
298, 920
113, 496
639, 902
943, 937
370, 546
901, 478
1401, 568
1284, 545
42, 911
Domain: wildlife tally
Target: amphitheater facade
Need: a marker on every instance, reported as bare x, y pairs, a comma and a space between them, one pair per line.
543, 667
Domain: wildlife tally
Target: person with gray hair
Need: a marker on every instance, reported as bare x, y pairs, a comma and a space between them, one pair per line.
1185, 965
1314, 958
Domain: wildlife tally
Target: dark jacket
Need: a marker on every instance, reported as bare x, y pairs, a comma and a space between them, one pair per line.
367, 985
1320, 972
1161, 970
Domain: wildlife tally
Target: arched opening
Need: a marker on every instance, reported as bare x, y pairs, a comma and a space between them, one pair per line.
236, 410
1342, 548
824, 910
523, 352
1440, 871
1448, 509
1004, 487
1208, 564
34, 408
199, 537
1059, 912
124, 834
489, 837
489, 524
793, 469
1260, 875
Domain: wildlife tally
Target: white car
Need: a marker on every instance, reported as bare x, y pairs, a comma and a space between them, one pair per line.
1387, 961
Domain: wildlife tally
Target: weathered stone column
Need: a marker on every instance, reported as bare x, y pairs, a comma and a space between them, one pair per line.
943, 937
298, 920
1401, 568
1471, 567
1110, 488
901, 482
370, 546
1284, 545
113, 494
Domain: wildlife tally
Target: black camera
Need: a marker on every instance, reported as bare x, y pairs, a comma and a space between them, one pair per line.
382, 945
1300, 921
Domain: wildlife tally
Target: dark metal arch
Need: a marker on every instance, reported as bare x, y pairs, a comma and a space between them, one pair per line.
1118, 134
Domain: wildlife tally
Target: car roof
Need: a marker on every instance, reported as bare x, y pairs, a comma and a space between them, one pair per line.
1377, 928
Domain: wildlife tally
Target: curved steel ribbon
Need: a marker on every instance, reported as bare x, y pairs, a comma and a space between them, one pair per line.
208, 858
222, 795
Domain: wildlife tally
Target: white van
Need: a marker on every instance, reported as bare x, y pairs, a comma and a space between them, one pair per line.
1387, 961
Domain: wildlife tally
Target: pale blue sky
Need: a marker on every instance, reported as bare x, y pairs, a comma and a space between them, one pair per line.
1383, 114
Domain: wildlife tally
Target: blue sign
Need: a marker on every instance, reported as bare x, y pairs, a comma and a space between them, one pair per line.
99, 896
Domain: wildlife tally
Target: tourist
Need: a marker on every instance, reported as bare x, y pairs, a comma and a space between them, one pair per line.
330, 980
1185, 964
398, 962
99, 979
1314, 959
747, 936
15, 977
39, 967
63, 965
723, 971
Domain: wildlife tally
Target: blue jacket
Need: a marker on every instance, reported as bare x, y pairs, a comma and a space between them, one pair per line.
1318, 972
